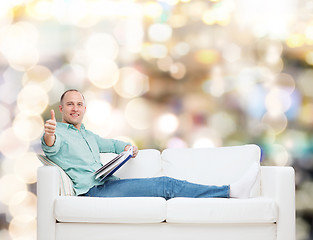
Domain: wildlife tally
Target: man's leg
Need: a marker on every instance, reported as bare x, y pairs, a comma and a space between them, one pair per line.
157, 187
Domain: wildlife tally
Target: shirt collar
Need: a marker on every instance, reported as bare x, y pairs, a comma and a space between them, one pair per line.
68, 126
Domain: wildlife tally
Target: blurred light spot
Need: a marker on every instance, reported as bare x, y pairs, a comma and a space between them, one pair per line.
6, 13
218, 14
180, 49
296, 142
22, 229
98, 111
207, 56
167, 123
216, 85
277, 101
103, 74
101, 46
295, 40
12, 146
72, 75
152, 9
21, 55
205, 137
40, 10
132, 83
252, 100
309, 57
32, 100
165, 63
306, 113
273, 53
125, 139
139, 114
277, 122
203, 143
177, 70
26, 209
124, 33
39, 75
159, 32
9, 186
23, 58
178, 20
285, 82
176, 142
15, 33
231, 52
155, 51
170, 2
279, 155
5, 117
55, 93
28, 128
26, 167
305, 82
223, 123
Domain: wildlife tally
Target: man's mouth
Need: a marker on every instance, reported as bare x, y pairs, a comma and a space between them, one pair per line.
74, 115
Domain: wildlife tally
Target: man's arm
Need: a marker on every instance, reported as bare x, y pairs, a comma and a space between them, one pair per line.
50, 126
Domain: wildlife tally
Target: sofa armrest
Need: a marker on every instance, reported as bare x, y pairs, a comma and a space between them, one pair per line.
278, 183
47, 192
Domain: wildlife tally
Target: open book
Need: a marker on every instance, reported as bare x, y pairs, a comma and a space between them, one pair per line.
112, 166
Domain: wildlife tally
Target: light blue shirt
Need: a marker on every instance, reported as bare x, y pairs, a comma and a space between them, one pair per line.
78, 153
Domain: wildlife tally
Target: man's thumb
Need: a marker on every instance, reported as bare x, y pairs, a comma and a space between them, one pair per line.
52, 115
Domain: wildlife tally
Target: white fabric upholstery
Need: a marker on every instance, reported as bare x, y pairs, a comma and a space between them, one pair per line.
212, 166
269, 216
146, 164
221, 210
165, 231
110, 210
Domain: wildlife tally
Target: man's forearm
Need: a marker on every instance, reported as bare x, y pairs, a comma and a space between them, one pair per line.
49, 139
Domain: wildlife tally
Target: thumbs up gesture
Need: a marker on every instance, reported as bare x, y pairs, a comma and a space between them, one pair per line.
49, 128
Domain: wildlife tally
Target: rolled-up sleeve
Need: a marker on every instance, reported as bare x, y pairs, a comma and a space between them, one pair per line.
110, 145
51, 150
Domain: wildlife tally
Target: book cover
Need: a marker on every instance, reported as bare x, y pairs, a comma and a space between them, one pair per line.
113, 165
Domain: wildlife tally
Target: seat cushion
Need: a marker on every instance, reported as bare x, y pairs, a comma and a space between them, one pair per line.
110, 210
221, 210
212, 166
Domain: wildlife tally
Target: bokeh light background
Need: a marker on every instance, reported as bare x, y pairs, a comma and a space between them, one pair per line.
168, 73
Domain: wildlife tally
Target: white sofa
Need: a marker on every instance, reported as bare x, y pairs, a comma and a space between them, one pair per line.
269, 213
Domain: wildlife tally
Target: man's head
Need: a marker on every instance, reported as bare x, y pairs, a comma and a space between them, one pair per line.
72, 107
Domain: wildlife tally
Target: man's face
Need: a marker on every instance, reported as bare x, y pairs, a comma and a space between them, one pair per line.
73, 108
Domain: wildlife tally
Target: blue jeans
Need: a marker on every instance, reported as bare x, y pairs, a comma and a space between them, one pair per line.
165, 187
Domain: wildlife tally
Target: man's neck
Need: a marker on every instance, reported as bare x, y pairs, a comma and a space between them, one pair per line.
77, 126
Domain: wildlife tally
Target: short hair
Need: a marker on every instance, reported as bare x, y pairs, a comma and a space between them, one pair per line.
70, 90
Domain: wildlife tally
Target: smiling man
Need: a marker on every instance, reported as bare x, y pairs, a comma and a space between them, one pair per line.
77, 151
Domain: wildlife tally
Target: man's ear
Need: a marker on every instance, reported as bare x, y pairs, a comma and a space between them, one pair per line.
60, 108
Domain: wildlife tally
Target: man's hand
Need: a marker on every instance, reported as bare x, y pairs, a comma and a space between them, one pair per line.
50, 127
135, 150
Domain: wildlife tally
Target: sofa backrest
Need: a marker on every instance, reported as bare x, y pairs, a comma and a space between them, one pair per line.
146, 164
211, 166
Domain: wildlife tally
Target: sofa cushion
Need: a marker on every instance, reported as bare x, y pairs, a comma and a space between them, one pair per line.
221, 210
146, 164
212, 166
110, 210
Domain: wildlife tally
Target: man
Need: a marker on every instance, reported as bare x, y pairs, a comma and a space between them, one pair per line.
77, 151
